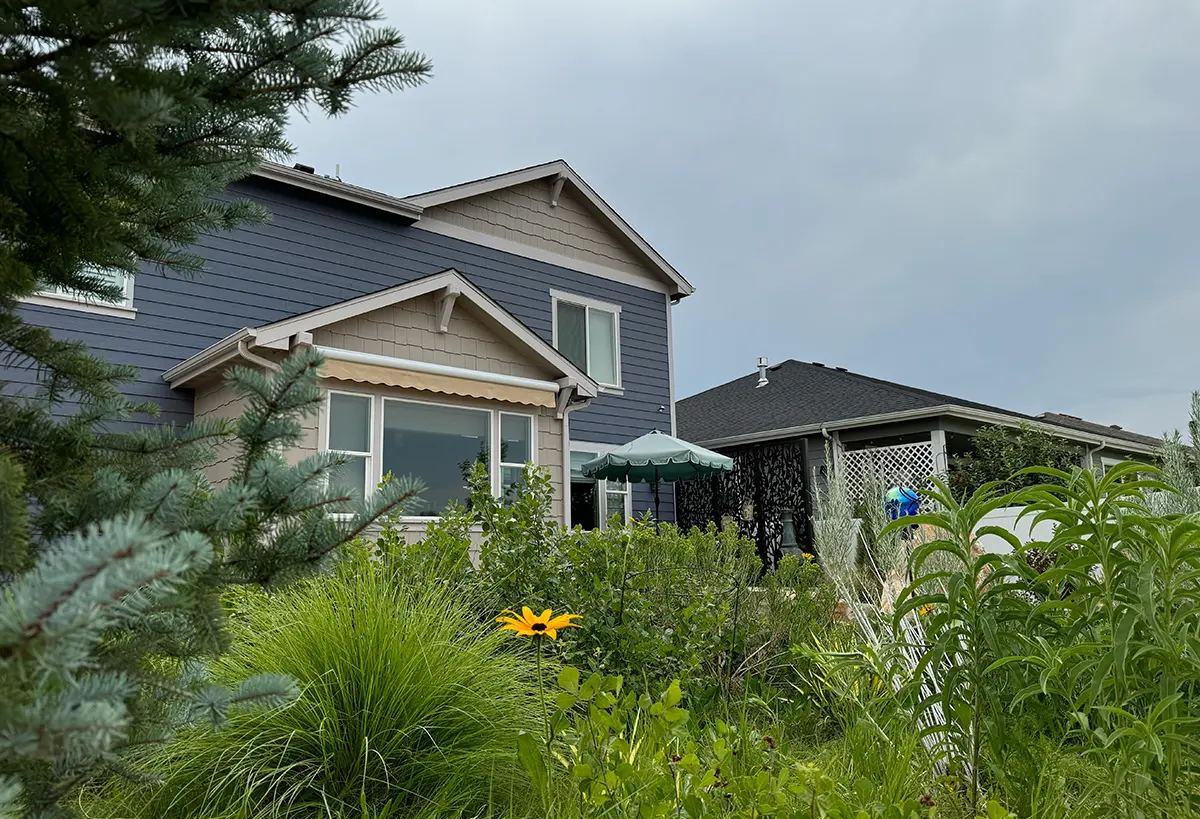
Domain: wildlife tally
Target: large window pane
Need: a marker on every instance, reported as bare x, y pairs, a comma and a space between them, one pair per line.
439, 445
602, 350
572, 333
349, 422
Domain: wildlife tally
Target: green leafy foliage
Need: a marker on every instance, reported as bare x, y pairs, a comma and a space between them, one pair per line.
959, 613
999, 454
1121, 652
618, 753
104, 641
658, 604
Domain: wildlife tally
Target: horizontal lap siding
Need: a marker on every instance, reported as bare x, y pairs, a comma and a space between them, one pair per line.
313, 253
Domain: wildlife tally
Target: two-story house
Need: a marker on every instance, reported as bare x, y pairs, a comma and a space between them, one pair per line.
511, 319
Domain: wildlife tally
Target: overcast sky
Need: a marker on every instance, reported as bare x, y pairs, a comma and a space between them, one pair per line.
996, 200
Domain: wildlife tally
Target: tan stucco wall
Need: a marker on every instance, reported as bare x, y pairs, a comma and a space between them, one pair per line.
409, 330
523, 214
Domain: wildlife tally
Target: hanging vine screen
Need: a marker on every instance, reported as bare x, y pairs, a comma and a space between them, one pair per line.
766, 479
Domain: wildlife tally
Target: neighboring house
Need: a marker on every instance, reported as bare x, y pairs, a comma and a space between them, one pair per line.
793, 412
512, 319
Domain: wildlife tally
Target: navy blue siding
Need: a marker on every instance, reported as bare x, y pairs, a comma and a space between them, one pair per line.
314, 253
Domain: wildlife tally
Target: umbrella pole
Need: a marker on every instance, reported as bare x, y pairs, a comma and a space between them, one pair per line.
656, 497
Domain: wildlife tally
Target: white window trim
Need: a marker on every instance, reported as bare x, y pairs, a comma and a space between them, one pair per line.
369, 454
87, 304
590, 304
601, 485
502, 465
375, 457
1107, 462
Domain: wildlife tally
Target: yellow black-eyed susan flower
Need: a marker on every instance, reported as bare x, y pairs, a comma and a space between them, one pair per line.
526, 624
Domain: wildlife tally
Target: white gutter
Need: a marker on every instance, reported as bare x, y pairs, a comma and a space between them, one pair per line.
981, 416
339, 189
438, 369
218, 353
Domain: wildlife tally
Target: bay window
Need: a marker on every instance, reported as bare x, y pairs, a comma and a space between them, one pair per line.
588, 333
438, 443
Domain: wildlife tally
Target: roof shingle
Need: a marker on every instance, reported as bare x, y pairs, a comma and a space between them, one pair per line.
801, 394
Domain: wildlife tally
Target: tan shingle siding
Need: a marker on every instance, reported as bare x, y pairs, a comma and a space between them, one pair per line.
214, 399
409, 330
523, 214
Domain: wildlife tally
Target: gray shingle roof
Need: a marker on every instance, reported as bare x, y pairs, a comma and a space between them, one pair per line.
801, 394
1099, 430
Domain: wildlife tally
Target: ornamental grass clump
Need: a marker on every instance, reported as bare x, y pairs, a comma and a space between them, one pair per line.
409, 704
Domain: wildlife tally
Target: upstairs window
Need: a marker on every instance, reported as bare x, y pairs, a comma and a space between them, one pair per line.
588, 333
122, 306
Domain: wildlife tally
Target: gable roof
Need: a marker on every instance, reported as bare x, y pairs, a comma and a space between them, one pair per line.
410, 208
449, 284
801, 397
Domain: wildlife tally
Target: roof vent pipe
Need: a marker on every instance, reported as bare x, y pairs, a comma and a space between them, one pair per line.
762, 373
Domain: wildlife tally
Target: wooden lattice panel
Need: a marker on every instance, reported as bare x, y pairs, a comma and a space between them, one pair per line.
906, 465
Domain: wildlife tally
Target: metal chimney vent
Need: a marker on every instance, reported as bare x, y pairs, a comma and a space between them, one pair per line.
762, 373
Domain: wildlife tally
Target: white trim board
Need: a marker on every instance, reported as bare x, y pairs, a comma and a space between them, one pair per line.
671, 364
338, 189
64, 302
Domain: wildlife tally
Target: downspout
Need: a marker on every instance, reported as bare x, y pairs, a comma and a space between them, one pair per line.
1088, 463
566, 455
267, 364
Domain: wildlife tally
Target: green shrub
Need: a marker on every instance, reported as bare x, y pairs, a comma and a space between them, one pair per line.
620, 754
657, 604
999, 454
408, 704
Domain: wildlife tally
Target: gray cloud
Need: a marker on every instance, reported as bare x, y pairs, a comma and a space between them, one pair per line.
995, 200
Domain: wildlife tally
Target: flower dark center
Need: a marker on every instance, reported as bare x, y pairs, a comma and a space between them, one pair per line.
538, 627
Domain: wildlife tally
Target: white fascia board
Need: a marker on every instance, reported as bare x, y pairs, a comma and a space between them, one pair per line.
339, 190
206, 359
966, 413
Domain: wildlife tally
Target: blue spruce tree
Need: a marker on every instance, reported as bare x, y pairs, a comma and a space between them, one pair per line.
121, 124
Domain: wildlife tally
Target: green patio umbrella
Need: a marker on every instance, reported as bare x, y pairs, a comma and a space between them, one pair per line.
657, 457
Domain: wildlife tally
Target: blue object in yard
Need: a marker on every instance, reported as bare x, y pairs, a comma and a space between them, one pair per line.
902, 503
